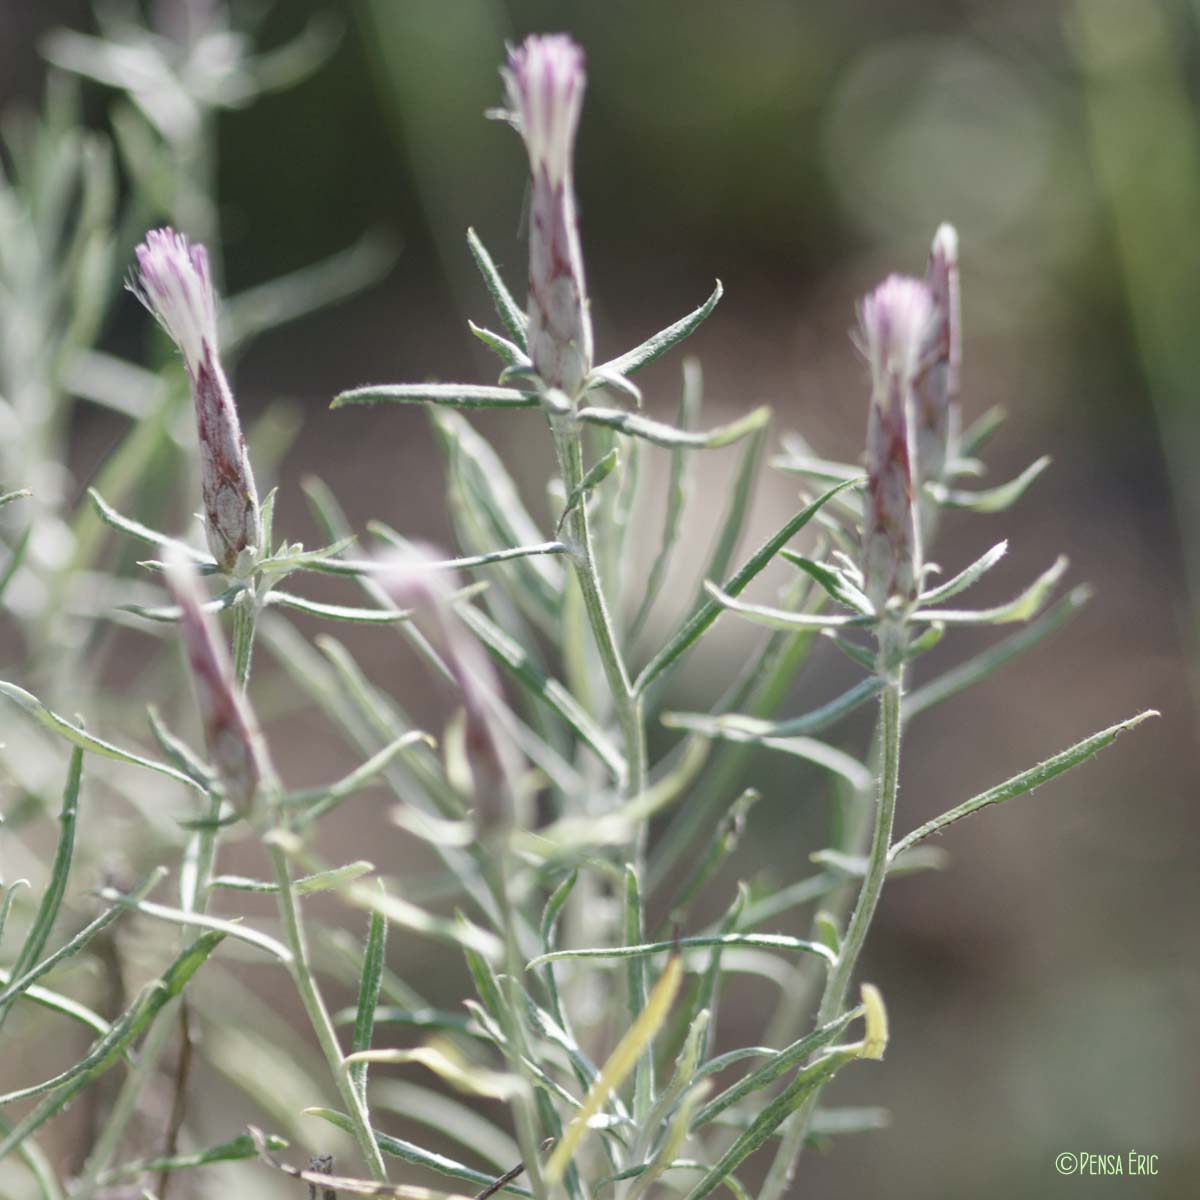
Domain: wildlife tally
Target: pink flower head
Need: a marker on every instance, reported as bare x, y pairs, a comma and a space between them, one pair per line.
897, 320
544, 80
231, 732
174, 283
416, 581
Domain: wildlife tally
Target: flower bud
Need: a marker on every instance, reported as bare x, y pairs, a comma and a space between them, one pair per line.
231, 732
175, 285
897, 320
937, 384
415, 582
544, 81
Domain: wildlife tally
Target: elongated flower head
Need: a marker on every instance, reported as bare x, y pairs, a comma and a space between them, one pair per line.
545, 82
897, 320
235, 745
175, 284
415, 581
937, 385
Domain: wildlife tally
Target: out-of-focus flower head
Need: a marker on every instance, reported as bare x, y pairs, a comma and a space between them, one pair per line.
414, 580
174, 283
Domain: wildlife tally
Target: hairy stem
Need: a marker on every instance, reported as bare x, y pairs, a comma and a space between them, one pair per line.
568, 444
318, 1014
838, 983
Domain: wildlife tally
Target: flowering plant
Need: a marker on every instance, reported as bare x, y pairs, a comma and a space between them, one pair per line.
561, 836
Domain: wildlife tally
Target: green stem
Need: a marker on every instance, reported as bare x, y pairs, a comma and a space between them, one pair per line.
318, 1014
568, 444
838, 983
245, 621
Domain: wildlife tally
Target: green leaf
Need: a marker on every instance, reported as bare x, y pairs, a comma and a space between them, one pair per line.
9, 497
316, 802
47, 913
737, 511
452, 395
597, 473
964, 579
990, 500
661, 342
761, 941
306, 885
778, 1064
339, 612
710, 610
236, 1148
368, 997
84, 740
58, 1003
677, 492
144, 533
976, 669
107, 1050
1024, 782
635, 989
510, 313
19, 984
833, 581
633, 425
6, 904
981, 429
1023, 608
807, 1081
778, 618
510, 352
513, 658
407, 1152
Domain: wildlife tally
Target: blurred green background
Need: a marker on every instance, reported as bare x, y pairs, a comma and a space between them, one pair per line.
1043, 990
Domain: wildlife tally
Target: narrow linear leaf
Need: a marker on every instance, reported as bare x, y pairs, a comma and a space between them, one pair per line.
47, 913
176, 916
1023, 608
661, 342
339, 612
1026, 781
617, 1068
981, 429
407, 1152
238, 1147
513, 658
834, 583
778, 1064
964, 579
368, 996
677, 493
19, 494
307, 885
736, 727
84, 740
710, 610
18, 984
977, 669
659, 434
509, 311
107, 1050
807, 1081
59, 1003
144, 533
990, 500
779, 618
452, 395
508, 352
762, 941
